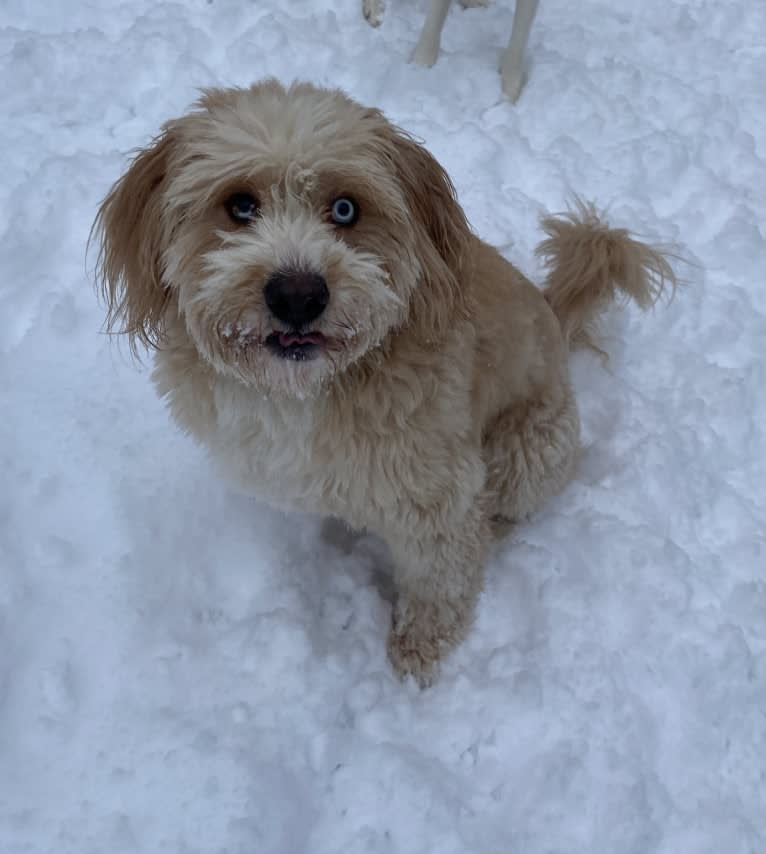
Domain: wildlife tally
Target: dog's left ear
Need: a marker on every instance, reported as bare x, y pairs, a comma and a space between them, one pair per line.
442, 231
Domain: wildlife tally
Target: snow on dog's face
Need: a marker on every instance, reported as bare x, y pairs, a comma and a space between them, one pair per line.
291, 230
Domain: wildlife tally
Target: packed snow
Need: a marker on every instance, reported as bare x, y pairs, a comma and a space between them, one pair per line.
185, 670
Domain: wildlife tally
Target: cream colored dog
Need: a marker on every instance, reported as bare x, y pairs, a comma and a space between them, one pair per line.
427, 49
327, 324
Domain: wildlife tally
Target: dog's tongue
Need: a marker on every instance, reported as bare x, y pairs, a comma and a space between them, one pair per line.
290, 339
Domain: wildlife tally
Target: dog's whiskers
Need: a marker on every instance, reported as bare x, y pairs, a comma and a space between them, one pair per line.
348, 330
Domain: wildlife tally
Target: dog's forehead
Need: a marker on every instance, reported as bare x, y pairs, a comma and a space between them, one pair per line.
301, 125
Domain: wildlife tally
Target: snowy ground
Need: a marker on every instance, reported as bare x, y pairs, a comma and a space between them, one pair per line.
184, 670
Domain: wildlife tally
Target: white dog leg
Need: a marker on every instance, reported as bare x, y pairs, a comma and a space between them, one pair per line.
427, 48
512, 63
373, 11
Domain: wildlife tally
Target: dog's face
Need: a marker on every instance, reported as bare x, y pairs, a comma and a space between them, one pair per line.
291, 231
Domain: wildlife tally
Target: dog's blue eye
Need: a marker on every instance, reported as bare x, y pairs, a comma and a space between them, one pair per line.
344, 211
242, 207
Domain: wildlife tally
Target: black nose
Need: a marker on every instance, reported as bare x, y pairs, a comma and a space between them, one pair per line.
296, 298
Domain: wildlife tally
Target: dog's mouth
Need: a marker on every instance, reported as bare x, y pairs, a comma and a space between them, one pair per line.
300, 347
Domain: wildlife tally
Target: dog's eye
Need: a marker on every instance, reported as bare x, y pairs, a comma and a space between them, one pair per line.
344, 211
241, 207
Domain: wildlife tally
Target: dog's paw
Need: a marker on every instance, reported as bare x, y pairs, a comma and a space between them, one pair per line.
421, 634
512, 82
373, 11
410, 656
425, 54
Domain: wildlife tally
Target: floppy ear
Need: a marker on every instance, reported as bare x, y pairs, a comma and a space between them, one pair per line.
442, 232
130, 232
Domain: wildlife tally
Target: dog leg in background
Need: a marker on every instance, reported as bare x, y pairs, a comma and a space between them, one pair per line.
438, 579
427, 49
512, 62
373, 11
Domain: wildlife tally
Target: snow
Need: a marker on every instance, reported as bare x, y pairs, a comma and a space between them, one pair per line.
184, 670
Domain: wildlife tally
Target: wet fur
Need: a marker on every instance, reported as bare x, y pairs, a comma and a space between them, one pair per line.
442, 408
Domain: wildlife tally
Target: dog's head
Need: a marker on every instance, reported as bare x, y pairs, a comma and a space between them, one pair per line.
291, 231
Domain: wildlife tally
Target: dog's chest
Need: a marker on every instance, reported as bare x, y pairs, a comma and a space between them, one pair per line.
312, 457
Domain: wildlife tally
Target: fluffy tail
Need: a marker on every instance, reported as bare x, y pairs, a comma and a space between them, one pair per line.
590, 265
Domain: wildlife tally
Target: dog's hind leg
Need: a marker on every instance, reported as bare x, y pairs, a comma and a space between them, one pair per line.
530, 451
512, 63
427, 49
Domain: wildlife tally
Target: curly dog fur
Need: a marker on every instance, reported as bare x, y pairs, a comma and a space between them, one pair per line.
428, 400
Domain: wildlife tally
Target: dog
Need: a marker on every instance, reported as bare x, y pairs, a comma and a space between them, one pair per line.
427, 49
327, 324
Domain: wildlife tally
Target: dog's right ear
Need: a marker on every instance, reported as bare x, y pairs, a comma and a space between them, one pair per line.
130, 231
439, 224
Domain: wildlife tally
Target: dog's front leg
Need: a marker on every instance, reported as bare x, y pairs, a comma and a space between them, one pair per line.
439, 573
